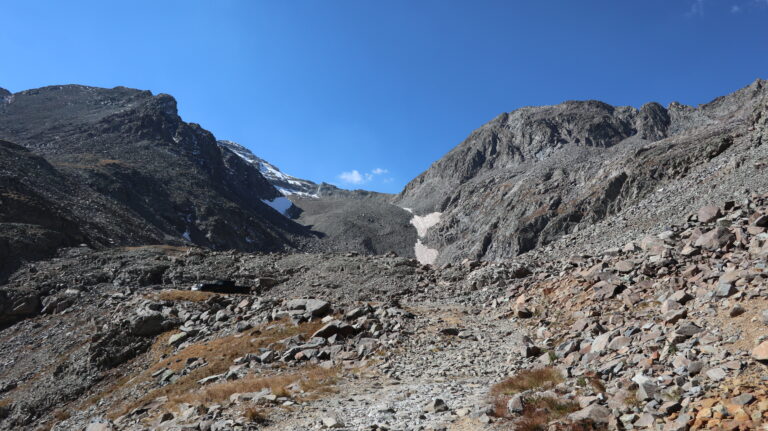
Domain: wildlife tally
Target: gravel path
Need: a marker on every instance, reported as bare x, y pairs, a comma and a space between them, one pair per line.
457, 369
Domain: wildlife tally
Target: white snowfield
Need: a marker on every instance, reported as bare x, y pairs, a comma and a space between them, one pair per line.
422, 224
424, 254
280, 204
270, 171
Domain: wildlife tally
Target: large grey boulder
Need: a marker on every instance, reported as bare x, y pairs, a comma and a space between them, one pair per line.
718, 237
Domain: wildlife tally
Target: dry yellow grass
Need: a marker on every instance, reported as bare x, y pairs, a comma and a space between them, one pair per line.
309, 379
252, 414
540, 378
165, 248
219, 354
182, 295
107, 162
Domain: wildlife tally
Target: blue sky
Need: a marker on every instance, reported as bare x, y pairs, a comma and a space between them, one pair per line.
367, 94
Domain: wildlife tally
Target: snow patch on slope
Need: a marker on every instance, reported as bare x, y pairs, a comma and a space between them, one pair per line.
284, 183
424, 254
423, 223
280, 204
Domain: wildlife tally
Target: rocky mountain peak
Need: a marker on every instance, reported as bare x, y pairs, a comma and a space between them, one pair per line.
287, 185
167, 179
534, 174
652, 122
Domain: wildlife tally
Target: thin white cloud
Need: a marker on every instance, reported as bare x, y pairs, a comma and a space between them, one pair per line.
735, 8
697, 9
352, 177
356, 177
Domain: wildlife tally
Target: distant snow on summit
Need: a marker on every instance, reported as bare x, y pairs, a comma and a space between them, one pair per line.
280, 204
286, 184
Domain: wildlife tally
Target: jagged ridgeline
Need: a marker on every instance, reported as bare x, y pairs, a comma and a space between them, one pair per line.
598, 268
120, 167
117, 167
529, 177
136, 172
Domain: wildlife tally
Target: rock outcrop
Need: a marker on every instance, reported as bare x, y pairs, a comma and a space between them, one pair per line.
536, 174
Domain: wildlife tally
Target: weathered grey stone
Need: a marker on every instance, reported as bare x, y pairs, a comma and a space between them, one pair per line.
177, 339
147, 323
436, 406
335, 327
709, 214
716, 374
718, 237
760, 353
737, 310
619, 343
601, 342
743, 399
595, 413
331, 422
724, 290
515, 404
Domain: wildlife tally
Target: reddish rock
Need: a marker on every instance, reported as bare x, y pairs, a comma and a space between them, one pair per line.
709, 214
760, 353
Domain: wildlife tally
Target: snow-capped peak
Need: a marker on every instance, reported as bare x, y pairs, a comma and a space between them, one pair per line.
284, 183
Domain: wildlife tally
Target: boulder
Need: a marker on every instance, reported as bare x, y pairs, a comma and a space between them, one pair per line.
335, 327
14, 309
601, 342
709, 214
718, 237
436, 406
759, 220
177, 339
331, 422
595, 413
311, 307
99, 426
737, 310
516, 404
624, 266
760, 353
147, 323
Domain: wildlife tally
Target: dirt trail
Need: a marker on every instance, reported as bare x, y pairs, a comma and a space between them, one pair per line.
458, 369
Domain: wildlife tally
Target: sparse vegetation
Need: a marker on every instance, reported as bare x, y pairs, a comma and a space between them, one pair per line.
552, 356
165, 248
182, 295
308, 379
5, 402
539, 411
596, 383
254, 415
672, 349
219, 355
540, 378
555, 408
631, 399
61, 415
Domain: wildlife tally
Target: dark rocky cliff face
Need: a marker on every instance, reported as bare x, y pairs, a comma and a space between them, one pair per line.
129, 150
118, 166
535, 174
